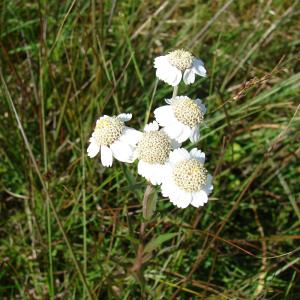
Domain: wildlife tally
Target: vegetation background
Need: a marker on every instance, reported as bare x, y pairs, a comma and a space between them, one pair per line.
70, 229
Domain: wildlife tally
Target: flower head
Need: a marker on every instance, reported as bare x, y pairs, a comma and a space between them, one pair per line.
181, 118
113, 139
153, 151
170, 67
186, 181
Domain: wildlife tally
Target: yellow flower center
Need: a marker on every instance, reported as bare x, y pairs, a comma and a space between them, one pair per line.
108, 130
154, 147
189, 175
180, 59
187, 111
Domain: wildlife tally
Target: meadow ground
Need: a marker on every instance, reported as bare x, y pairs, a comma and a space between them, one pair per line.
70, 228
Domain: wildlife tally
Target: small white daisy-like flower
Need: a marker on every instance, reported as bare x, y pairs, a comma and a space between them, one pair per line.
181, 118
113, 139
153, 151
186, 181
169, 68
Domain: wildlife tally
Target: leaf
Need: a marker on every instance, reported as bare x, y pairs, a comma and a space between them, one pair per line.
150, 206
156, 242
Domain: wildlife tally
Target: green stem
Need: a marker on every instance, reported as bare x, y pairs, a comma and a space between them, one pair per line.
45, 157
175, 91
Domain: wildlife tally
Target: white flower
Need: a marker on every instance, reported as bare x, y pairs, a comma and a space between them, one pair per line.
181, 118
186, 181
153, 151
113, 139
169, 68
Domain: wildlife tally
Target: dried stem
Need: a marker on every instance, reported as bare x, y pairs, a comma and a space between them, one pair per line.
263, 271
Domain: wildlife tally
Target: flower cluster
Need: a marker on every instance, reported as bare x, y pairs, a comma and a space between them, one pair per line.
161, 160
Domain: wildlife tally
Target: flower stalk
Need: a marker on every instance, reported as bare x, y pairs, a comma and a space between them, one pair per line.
175, 91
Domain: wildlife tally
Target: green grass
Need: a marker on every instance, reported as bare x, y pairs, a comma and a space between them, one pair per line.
70, 229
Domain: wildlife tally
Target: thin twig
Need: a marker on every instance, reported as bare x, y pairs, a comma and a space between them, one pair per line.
263, 271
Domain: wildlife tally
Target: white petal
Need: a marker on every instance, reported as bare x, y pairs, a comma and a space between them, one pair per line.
178, 155
175, 76
151, 127
122, 151
93, 149
168, 187
165, 189
199, 199
208, 186
175, 144
185, 199
160, 61
172, 198
204, 196
185, 134
168, 73
201, 105
164, 115
174, 130
130, 136
124, 117
155, 174
106, 156
209, 179
198, 154
141, 168
152, 172
163, 69
167, 173
161, 73
189, 76
198, 67
174, 195
169, 101
144, 169
195, 134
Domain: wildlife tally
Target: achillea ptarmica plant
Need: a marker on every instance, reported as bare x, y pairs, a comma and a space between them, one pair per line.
171, 67
161, 161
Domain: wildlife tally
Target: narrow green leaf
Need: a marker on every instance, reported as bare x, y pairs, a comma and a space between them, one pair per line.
156, 242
